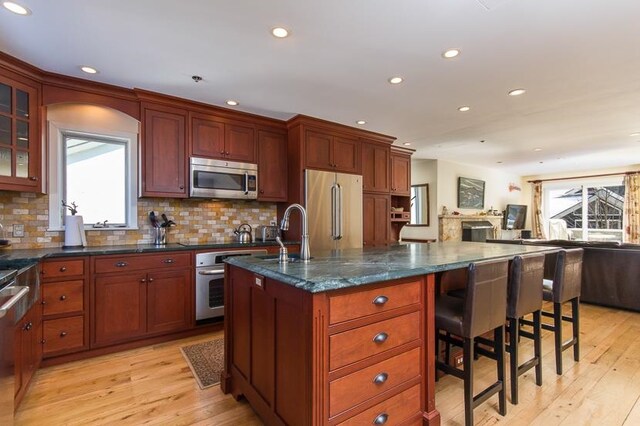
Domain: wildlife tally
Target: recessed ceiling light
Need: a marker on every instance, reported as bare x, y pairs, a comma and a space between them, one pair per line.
537, 149
16, 8
451, 53
406, 143
280, 32
396, 80
464, 108
231, 102
361, 122
633, 135
517, 92
89, 70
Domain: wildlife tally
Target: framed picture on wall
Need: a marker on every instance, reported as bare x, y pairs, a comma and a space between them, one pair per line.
470, 193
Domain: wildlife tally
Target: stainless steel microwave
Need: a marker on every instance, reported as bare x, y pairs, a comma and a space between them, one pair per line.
223, 179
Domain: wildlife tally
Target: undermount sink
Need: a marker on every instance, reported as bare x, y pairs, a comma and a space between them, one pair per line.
293, 257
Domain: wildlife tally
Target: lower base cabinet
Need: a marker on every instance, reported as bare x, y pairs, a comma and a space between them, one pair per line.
28, 349
331, 358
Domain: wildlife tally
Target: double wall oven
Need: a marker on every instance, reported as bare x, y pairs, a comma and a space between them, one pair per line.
210, 281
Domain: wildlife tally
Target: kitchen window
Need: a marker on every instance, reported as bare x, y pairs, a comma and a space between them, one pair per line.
589, 211
97, 172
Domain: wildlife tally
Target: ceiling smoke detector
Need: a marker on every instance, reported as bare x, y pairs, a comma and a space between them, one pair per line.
196, 78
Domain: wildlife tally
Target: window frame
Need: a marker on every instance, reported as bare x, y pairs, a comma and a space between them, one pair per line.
57, 169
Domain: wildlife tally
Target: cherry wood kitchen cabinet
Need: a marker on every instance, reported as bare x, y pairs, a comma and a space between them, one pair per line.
216, 138
375, 221
332, 152
272, 166
141, 295
65, 305
27, 350
375, 167
334, 357
163, 154
20, 142
400, 173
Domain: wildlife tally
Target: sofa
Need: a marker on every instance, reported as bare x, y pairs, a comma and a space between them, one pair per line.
610, 271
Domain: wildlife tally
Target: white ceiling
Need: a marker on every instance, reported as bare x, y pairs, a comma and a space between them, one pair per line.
578, 59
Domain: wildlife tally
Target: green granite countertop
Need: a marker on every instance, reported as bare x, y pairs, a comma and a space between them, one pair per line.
18, 258
331, 270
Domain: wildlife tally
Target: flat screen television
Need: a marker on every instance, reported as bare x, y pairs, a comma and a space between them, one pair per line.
514, 216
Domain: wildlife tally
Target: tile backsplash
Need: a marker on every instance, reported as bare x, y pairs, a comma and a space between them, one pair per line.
198, 221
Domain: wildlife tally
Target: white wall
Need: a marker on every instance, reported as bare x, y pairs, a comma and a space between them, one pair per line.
425, 171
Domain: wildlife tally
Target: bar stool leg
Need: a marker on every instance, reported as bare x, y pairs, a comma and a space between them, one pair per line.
498, 336
575, 314
537, 345
514, 335
557, 332
437, 345
467, 354
447, 350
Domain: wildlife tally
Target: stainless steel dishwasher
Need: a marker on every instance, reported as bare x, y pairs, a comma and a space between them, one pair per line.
10, 297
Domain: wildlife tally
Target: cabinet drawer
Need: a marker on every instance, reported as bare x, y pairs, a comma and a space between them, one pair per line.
357, 387
62, 268
63, 297
141, 261
362, 303
353, 345
395, 410
64, 334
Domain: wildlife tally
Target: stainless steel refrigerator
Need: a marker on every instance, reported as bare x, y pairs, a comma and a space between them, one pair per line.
334, 209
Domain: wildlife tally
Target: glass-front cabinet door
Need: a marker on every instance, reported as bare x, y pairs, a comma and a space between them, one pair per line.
19, 136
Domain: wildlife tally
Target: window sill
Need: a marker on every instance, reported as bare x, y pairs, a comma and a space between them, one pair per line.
89, 228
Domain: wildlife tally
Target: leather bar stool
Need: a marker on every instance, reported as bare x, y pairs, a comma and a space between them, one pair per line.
562, 285
480, 311
524, 298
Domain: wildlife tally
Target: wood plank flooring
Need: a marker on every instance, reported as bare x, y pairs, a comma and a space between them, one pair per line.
153, 385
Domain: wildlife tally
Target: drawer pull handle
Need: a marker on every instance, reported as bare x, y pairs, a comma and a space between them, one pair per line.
168, 261
63, 269
380, 378
381, 419
63, 334
380, 337
63, 298
121, 264
380, 300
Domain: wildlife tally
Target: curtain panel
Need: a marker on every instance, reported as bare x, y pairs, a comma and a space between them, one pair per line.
537, 219
632, 208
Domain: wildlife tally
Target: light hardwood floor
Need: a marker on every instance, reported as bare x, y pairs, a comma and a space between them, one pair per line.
154, 385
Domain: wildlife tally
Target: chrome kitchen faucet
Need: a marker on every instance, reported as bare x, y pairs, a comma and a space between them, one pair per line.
284, 225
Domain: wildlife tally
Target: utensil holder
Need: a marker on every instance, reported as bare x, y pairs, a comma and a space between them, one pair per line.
159, 236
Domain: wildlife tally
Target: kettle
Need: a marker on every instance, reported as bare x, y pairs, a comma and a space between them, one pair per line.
242, 235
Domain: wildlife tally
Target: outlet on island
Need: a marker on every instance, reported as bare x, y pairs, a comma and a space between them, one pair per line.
18, 231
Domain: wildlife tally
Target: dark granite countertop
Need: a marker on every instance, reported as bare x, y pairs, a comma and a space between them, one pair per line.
331, 270
18, 258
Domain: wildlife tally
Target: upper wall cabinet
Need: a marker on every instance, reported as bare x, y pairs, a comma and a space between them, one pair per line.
331, 152
272, 166
400, 173
20, 143
214, 138
163, 156
375, 167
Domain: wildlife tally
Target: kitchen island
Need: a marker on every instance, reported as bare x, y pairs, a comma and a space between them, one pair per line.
347, 338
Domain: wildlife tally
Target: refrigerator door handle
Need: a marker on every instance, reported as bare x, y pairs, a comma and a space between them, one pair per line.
339, 213
334, 207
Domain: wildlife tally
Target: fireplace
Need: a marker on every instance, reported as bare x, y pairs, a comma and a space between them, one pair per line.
477, 230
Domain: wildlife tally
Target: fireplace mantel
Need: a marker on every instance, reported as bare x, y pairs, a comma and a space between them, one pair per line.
450, 226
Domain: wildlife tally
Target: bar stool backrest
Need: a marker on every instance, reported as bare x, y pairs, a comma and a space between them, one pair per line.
485, 297
568, 275
525, 285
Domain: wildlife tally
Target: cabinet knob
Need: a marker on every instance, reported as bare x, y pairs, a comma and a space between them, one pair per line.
380, 337
222, 152
121, 264
63, 269
150, 280
143, 280
226, 153
380, 300
63, 298
43, 341
43, 302
262, 191
181, 186
28, 326
380, 378
33, 178
63, 334
381, 419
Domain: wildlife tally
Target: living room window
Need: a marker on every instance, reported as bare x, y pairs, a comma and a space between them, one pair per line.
589, 211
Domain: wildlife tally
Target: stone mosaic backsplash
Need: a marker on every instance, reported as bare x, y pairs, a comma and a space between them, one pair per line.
198, 221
